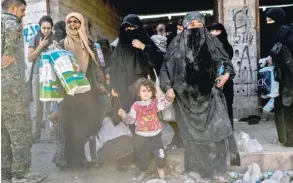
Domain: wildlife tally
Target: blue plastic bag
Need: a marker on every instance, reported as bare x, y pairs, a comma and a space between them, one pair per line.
267, 86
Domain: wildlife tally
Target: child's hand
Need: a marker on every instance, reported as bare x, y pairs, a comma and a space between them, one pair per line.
122, 113
170, 94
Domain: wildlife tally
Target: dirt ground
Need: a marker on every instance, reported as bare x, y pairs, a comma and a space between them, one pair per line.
43, 152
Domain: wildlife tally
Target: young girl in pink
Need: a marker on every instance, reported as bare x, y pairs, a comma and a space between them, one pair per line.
144, 114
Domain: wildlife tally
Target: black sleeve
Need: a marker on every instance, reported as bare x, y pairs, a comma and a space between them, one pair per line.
220, 56
230, 51
153, 57
165, 82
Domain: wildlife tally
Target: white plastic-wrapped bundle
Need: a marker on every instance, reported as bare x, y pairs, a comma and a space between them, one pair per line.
50, 86
65, 66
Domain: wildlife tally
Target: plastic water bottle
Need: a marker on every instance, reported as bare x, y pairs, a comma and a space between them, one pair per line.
100, 54
270, 105
220, 70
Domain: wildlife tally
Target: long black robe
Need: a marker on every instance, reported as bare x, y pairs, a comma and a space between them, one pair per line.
201, 109
229, 85
79, 118
129, 64
283, 61
281, 53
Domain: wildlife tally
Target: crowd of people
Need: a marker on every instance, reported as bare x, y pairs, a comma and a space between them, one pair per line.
195, 73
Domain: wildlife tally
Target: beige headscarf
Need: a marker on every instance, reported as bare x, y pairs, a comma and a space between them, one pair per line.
77, 41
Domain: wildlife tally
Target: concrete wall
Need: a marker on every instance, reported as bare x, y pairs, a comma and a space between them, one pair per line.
104, 21
241, 22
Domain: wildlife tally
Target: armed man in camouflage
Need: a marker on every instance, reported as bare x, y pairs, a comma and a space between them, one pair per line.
16, 130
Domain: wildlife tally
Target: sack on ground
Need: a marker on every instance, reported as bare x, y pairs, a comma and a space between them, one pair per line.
109, 131
50, 86
65, 65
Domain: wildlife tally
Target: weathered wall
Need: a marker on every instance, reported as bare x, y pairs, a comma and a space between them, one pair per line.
104, 21
241, 22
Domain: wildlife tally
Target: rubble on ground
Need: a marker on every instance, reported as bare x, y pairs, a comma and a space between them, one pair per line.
254, 174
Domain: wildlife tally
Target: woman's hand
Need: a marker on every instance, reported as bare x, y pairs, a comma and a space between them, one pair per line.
270, 61
222, 80
137, 44
114, 94
43, 43
122, 113
170, 94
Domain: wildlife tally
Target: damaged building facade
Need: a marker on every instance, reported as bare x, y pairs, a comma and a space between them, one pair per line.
240, 17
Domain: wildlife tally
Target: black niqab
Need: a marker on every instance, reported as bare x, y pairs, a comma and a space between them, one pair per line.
190, 66
270, 35
129, 63
223, 37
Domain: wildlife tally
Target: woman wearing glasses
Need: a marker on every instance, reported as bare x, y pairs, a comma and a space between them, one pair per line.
80, 115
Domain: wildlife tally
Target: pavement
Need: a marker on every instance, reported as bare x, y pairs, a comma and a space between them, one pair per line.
274, 157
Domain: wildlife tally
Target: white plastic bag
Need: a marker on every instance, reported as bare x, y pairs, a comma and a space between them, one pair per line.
108, 131
263, 61
246, 144
88, 150
167, 134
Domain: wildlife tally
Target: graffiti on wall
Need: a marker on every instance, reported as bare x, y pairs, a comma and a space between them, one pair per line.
30, 31
243, 40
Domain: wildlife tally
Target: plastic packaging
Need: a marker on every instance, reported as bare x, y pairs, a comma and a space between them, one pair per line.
270, 105
267, 86
100, 54
65, 66
246, 144
50, 86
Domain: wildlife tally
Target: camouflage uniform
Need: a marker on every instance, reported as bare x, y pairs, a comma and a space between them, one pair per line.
16, 130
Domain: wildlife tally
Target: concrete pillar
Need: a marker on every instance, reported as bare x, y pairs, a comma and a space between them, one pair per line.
241, 20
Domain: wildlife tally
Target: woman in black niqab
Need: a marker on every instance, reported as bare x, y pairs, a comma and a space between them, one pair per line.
218, 30
190, 69
134, 57
282, 59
